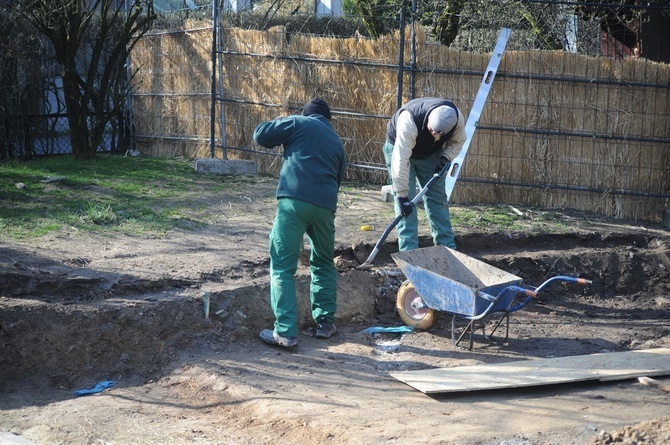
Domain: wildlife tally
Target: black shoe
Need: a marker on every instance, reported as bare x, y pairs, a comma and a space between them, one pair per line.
325, 330
272, 338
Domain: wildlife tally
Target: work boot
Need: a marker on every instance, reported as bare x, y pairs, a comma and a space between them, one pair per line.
270, 337
325, 330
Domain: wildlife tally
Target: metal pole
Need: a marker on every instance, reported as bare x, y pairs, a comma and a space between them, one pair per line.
401, 57
212, 117
128, 115
412, 75
222, 114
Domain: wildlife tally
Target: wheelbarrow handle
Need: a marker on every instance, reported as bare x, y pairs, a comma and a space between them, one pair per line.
581, 281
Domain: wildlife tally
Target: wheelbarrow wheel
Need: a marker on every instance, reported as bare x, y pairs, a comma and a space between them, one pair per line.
409, 304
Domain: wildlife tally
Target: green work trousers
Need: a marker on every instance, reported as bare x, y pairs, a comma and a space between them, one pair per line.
293, 219
434, 202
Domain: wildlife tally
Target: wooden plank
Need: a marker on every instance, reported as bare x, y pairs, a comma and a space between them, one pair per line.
548, 371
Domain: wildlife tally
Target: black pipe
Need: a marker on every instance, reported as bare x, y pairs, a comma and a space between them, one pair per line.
565, 187
497, 182
573, 134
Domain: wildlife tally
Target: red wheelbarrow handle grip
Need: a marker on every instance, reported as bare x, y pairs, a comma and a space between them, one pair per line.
530, 293
523, 290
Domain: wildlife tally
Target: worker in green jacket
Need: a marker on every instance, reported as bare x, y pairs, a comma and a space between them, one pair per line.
311, 174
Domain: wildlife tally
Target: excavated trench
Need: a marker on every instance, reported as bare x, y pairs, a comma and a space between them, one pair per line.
58, 322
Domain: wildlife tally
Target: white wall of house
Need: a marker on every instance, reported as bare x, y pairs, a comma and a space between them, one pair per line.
173, 5
236, 5
329, 7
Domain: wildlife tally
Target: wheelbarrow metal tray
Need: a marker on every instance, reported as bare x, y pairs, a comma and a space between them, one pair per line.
453, 282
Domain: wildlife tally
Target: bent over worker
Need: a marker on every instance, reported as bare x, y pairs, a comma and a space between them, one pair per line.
311, 174
422, 137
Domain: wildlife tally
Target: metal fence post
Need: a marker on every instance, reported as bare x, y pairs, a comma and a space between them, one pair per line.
212, 117
412, 58
401, 57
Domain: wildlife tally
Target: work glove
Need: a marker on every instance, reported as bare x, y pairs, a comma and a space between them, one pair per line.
441, 163
405, 206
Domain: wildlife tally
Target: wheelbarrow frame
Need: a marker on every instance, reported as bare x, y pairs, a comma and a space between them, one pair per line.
464, 287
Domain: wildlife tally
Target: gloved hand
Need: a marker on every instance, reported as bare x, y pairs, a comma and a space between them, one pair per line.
405, 206
441, 163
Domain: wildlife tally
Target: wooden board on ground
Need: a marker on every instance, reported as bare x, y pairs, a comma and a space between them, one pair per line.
548, 371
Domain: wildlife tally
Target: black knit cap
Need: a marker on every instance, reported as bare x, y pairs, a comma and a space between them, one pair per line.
316, 106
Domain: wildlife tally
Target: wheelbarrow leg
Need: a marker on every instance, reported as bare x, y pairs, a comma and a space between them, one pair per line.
497, 325
472, 333
470, 328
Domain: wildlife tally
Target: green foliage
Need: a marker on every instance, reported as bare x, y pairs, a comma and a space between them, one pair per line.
350, 8
445, 27
373, 13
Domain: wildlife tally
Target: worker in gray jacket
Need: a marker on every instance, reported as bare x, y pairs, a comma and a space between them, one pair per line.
422, 137
311, 174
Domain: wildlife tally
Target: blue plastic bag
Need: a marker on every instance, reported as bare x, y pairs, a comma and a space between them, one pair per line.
391, 330
100, 387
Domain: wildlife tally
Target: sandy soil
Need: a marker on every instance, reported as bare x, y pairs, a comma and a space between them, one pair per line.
77, 309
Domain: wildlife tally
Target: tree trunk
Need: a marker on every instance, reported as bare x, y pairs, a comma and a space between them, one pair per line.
77, 117
446, 25
91, 41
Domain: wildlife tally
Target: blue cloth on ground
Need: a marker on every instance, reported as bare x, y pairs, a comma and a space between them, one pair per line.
392, 330
100, 387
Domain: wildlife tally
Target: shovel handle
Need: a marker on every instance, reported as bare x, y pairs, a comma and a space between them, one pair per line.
368, 263
436, 177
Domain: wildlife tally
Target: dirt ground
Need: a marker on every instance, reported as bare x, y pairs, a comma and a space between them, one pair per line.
77, 309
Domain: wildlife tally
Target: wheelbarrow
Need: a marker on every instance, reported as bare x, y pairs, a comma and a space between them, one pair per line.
445, 280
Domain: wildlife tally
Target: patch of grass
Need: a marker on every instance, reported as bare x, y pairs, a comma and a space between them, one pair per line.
99, 214
494, 218
498, 218
148, 196
133, 196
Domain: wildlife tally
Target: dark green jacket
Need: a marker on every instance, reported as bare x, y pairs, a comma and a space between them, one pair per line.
314, 158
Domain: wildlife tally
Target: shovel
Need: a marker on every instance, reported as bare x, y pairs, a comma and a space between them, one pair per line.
436, 177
